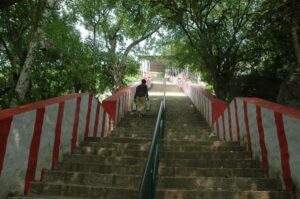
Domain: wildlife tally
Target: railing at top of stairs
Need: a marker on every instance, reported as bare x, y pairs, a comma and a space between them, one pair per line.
147, 186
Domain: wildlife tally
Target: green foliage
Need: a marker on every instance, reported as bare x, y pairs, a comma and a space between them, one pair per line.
239, 47
17, 26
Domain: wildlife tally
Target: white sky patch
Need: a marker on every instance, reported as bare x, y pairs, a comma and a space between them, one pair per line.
84, 33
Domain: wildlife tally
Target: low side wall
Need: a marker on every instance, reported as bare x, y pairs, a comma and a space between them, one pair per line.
271, 133
210, 106
34, 137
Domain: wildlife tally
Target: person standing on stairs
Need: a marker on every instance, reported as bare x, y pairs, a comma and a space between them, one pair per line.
140, 97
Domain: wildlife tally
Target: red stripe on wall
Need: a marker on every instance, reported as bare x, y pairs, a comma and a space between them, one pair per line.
284, 152
57, 137
103, 124
247, 127
75, 125
88, 117
218, 129
42, 174
109, 127
237, 121
229, 124
123, 105
223, 123
262, 142
37, 105
34, 148
97, 119
5, 125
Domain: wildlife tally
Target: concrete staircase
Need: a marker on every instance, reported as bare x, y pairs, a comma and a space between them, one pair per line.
103, 168
195, 165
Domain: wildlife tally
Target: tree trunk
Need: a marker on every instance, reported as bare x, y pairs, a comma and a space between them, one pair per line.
119, 69
94, 48
23, 82
289, 93
221, 88
296, 41
118, 75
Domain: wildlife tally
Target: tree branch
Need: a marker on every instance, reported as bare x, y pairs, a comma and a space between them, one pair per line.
124, 57
9, 55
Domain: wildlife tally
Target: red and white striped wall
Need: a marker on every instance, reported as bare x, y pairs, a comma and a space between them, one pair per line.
271, 133
206, 103
33, 137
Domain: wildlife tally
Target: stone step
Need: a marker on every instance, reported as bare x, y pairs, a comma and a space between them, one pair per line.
92, 147
137, 121
186, 136
133, 135
182, 135
177, 108
185, 121
198, 194
182, 121
191, 127
93, 179
107, 152
77, 158
188, 132
111, 152
129, 132
209, 155
131, 146
182, 148
197, 142
163, 171
170, 128
101, 168
181, 129
70, 190
184, 114
118, 140
204, 163
218, 184
137, 125
45, 197
211, 172
148, 118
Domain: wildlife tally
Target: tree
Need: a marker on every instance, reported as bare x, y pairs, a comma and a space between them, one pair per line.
24, 78
18, 24
240, 47
290, 88
120, 26
217, 33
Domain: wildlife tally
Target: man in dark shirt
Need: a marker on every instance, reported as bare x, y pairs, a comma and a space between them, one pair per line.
140, 97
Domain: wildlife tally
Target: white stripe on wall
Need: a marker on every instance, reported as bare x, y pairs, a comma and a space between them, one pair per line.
254, 131
17, 152
271, 140
292, 131
67, 127
44, 158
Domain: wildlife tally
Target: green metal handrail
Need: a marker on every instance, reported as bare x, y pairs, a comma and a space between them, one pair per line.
147, 186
